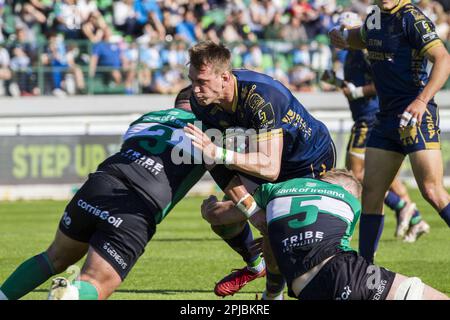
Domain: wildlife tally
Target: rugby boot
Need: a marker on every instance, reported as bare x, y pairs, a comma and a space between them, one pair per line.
235, 281
404, 218
61, 289
416, 230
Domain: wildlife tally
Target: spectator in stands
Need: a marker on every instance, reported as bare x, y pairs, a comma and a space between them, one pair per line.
125, 18
93, 28
69, 19
23, 73
5, 71
294, 31
188, 29
66, 74
106, 54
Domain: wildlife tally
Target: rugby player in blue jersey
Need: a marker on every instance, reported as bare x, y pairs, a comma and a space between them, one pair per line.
400, 40
291, 143
362, 97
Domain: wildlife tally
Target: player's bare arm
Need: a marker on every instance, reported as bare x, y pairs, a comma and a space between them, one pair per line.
265, 163
439, 56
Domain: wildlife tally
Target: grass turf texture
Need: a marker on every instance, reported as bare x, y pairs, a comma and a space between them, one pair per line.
185, 258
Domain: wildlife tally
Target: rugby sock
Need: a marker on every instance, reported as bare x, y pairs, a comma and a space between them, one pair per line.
393, 201
256, 266
416, 218
28, 276
274, 283
240, 243
370, 230
86, 290
445, 214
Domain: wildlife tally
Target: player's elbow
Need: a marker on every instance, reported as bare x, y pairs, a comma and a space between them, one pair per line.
272, 172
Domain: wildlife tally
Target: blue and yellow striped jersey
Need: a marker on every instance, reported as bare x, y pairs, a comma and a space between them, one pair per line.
396, 52
262, 102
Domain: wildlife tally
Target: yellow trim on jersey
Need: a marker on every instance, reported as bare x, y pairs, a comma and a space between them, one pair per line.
275, 133
400, 5
235, 98
432, 44
433, 145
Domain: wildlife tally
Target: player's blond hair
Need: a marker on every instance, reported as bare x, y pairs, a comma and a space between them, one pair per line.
345, 179
210, 53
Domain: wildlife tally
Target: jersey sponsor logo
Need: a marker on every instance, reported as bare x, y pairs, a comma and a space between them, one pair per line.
66, 220
345, 294
425, 29
113, 253
102, 214
143, 160
380, 290
301, 239
408, 136
264, 118
297, 121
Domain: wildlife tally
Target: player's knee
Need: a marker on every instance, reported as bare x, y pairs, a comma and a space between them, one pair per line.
410, 289
431, 193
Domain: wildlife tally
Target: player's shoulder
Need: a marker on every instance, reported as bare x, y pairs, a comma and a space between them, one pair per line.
411, 13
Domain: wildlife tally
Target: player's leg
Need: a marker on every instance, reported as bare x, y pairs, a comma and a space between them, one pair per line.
428, 171
406, 288
240, 238
62, 253
381, 166
275, 282
409, 219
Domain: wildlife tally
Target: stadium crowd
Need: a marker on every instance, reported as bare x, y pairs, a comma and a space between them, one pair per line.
64, 47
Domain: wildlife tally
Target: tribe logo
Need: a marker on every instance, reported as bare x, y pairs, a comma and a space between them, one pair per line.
104, 215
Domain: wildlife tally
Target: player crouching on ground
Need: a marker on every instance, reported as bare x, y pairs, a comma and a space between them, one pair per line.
309, 224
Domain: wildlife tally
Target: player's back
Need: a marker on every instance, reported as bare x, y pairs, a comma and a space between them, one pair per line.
396, 52
308, 221
149, 163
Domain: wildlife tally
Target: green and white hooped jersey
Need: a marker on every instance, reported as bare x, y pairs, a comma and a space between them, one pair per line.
321, 211
151, 160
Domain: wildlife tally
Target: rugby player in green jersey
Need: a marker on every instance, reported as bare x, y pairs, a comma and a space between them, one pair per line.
309, 224
115, 213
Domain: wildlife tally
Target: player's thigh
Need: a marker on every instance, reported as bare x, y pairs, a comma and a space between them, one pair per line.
65, 251
428, 169
100, 273
380, 168
355, 163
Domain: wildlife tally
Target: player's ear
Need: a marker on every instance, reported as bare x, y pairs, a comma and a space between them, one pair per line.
226, 76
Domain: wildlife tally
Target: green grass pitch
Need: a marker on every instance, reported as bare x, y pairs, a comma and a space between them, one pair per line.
185, 257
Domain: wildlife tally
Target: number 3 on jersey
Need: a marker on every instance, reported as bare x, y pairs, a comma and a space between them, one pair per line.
298, 206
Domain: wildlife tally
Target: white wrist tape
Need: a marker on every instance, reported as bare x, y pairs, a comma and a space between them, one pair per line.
224, 156
248, 212
357, 93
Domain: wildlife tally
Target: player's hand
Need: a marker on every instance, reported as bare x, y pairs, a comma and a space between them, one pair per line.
413, 114
201, 141
337, 38
209, 205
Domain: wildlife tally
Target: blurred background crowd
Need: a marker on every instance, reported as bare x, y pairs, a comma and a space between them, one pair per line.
68, 47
